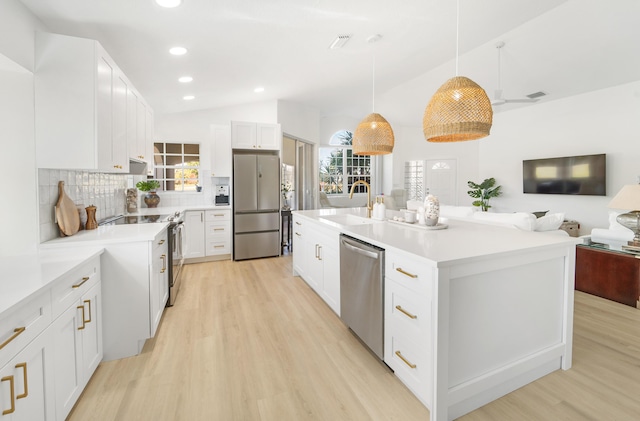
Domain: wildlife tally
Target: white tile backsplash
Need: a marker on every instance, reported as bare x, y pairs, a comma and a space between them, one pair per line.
105, 191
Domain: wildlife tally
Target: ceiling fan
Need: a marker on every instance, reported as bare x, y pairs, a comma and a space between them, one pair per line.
497, 98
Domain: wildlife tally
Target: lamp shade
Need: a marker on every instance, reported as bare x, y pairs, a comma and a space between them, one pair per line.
628, 198
460, 110
373, 136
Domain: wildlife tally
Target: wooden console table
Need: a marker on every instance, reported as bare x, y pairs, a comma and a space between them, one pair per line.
611, 274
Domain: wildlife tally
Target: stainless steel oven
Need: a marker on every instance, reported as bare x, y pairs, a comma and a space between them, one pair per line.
176, 256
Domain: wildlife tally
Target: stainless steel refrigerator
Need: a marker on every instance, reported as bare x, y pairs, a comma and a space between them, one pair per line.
256, 206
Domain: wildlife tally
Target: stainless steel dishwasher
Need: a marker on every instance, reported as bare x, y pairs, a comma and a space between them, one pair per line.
362, 291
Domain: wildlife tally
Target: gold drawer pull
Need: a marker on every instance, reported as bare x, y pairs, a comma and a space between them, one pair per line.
87, 321
218, 214
161, 242
410, 275
24, 375
218, 229
164, 263
405, 360
13, 395
298, 223
298, 234
406, 313
84, 279
17, 331
83, 320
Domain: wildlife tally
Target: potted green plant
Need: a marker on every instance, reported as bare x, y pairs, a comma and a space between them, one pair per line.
483, 192
150, 186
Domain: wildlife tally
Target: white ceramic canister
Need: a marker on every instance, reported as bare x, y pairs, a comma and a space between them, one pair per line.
431, 210
421, 219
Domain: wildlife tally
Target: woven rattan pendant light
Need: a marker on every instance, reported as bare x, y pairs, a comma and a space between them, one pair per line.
460, 110
374, 135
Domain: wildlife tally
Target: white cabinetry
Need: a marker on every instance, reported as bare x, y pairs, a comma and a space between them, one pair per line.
83, 107
208, 234
134, 295
407, 326
26, 384
221, 157
194, 234
317, 259
218, 232
245, 135
159, 280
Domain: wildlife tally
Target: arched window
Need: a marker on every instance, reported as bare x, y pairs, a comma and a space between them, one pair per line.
338, 164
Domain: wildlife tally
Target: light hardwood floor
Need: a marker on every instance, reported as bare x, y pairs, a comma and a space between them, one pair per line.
248, 341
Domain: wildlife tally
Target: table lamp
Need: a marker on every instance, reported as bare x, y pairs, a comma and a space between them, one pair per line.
629, 198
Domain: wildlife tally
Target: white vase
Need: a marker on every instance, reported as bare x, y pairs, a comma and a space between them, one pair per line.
431, 210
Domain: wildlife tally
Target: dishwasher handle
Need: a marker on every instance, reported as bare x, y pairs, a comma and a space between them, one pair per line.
367, 253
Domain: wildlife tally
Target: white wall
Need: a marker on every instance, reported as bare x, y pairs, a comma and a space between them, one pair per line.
300, 121
20, 204
604, 121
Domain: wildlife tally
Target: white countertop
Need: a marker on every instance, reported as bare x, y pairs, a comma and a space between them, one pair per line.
23, 276
462, 240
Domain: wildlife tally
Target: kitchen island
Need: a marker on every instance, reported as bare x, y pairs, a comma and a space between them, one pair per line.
472, 312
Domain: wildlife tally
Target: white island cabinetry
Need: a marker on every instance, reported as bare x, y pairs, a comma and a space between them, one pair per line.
317, 259
465, 322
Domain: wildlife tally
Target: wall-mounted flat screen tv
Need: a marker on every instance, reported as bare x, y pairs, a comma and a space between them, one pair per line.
582, 175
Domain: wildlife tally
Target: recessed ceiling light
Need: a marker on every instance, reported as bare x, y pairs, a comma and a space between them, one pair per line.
258, 89
188, 97
185, 79
178, 51
169, 3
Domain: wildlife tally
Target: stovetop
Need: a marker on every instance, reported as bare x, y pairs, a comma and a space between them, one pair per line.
134, 219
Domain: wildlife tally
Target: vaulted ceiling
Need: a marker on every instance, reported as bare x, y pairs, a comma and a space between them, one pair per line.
561, 47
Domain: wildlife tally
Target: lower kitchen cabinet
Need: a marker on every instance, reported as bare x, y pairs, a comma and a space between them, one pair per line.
208, 235
316, 259
27, 385
77, 348
133, 294
407, 323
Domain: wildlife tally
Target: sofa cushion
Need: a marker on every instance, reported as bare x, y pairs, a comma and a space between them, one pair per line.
457, 212
522, 220
549, 222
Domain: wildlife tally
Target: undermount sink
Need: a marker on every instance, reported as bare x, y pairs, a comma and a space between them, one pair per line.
348, 219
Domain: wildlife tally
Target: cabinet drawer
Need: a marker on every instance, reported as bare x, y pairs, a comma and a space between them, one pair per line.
217, 215
411, 364
23, 324
218, 229
406, 311
69, 290
410, 273
160, 240
215, 247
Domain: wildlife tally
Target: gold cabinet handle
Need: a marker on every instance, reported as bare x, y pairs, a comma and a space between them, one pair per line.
164, 263
13, 395
218, 229
218, 214
218, 247
25, 376
405, 360
298, 234
316, 251
83, 321
17, 331
87, 321
84, 279
298, 223
161, 242
319, 252
406, 313
410, 275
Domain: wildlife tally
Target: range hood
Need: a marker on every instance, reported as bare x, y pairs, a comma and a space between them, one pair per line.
137, 166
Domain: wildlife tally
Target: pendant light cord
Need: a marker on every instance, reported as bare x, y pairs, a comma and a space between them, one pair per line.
457, 33
373, 82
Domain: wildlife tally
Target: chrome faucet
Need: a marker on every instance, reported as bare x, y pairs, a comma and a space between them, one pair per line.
369, 205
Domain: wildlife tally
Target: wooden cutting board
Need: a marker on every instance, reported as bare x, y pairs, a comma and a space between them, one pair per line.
66, 213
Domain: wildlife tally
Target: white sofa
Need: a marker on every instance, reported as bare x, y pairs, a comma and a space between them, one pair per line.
616, 235
521, 220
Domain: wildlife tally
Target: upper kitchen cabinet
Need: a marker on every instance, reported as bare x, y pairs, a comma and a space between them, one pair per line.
84, 107
221, 157
255, 136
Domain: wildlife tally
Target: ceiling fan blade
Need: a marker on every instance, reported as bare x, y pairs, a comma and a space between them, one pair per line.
520, 101
498, 101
